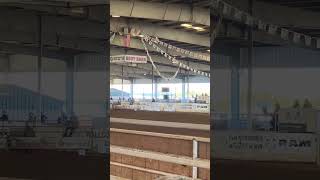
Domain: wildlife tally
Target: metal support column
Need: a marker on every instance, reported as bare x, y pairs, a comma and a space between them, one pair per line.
188, 83
152, 94
235, 92
122, 83
250, 59
40, 54
183, 98
156, 80
131, 87
70, 86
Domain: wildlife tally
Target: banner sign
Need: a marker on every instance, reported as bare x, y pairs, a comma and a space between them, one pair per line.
74, 143
129, 59
265, 146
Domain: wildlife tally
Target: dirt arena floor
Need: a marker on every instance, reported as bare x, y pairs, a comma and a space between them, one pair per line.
249, 170
194, 118
183, 117
52, 165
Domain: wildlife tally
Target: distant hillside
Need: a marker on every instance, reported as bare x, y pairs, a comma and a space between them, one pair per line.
118, 93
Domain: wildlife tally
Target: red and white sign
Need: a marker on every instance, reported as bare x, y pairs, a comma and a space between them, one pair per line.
129, 59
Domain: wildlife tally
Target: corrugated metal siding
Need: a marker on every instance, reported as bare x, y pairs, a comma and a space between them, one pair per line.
274, 57
220, 61
90, 62
18, 102
286, 57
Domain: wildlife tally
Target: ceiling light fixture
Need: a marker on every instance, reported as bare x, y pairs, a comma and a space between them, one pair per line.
199, 28
186, 25
115, 16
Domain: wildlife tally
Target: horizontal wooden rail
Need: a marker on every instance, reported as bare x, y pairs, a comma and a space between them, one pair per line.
164, 135
183, 160
204, 127
150, 170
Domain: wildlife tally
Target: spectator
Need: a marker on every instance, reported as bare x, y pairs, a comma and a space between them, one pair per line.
71, 125
307, 104
296, 104
43, 118
28, 131
4, 116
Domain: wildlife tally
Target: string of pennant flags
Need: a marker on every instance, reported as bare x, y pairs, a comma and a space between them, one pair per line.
152, 43
286, 34
181, 51
156, 68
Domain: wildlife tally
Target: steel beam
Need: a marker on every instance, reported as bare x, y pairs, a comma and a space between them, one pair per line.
117, 25
160, 11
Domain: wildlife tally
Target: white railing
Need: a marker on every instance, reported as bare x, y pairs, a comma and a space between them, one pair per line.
168, 107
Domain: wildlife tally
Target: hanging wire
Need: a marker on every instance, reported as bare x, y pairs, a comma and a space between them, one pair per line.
156, 68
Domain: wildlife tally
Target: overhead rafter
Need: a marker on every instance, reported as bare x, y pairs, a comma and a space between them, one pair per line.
136, 44
117, 24
160, 11
19, 27
293, 17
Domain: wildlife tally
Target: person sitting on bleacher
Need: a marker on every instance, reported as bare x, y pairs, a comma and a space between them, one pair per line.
296, 104
71, 124
43, 118
4, 116
307, 104
32, 118
28, 131
62, 118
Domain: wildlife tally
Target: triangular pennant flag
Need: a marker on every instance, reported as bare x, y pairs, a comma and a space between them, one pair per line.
296, 37
307, 40
318, 43
261, 25
284, 34
226, 9
237, 14
272, 29
249, 19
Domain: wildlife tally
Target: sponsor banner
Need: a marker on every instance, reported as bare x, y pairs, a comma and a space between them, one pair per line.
74, 143
265, 146
129, 59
